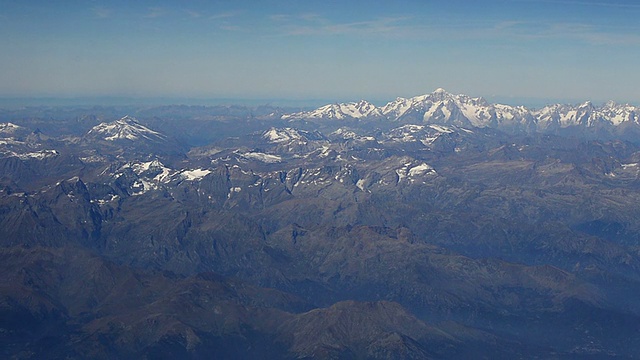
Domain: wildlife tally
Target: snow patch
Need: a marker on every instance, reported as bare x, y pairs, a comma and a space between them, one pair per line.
38, 155
232, 191
413, 173
420, 170
361, 185
442, 129
282, 135
265, 158
193, 175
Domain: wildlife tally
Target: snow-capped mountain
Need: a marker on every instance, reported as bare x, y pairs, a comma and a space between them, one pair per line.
442, 107
352, 110
347, 134
8, 129
417, 133
126, 128
11, 133
8, 133
286, 135
586, 115
439, 107
293, 140
617, 113
22, 143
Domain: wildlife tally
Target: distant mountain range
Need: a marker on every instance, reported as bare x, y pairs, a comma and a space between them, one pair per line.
441, 107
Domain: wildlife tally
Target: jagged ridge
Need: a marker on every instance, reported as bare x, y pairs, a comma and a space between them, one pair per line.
442, 107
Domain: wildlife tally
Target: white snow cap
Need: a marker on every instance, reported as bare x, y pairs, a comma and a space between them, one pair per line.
126, 128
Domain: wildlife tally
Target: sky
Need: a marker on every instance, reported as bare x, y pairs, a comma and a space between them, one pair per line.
303, 50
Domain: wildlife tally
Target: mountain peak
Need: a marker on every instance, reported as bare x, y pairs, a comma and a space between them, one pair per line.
128, 119
9, 128
125, 128
611, 104
438, 94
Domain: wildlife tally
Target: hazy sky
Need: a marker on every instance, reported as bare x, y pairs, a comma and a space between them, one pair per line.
303, 49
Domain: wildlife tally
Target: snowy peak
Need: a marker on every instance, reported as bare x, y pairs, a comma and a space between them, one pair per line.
366, 109
288, 140
288, 135
401, 106
586, 115
346, 134
618, 114
126, 128
275, 135
9, 128
439, 94
429, 136
442, 107
12, 131
342, 111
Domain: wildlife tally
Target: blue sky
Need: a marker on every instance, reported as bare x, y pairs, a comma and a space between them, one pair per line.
329, 50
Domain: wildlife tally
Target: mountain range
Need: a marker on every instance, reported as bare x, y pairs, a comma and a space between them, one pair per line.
435, 227
441, 107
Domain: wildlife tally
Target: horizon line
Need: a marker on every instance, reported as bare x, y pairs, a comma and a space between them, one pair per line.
116, 100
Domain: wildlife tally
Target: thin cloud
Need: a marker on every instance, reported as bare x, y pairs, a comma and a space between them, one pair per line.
102, 12
400, 27
312, 17
193, 14
234, 28
224, 21
155, 12
313, 24
224, 15
594, 35
509, 24
280, 17
587, 33
407, 28
586, 3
